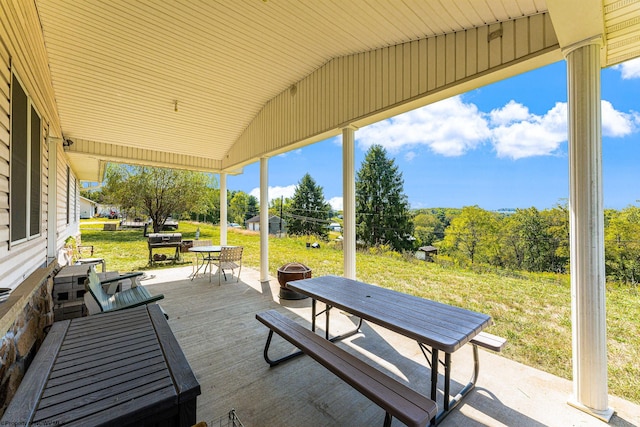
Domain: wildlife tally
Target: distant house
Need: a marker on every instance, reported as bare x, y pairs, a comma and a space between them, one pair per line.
334, 226
426, 253
276, 224
88, 208
108, 211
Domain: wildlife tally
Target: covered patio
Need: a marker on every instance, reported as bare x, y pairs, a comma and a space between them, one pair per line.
215, 86
223, 343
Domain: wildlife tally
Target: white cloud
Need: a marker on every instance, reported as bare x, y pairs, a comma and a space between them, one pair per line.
512, 112
288, 191
520, 133
629, 69
617, 124
275, 192
449, 127
336, 203
452, 128
410, 155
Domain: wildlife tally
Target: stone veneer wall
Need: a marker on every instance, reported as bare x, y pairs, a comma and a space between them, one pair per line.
23, 319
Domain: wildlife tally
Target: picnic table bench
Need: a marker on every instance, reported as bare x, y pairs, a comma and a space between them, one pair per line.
398, 400
489, 341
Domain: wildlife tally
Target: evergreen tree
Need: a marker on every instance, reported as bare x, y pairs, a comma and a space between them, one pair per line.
252, 208
382, 208
308, 211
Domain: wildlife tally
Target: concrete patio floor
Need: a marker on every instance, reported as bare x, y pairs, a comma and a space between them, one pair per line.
216, 327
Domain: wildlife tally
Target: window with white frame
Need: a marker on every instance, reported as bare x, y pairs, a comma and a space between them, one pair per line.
26, 166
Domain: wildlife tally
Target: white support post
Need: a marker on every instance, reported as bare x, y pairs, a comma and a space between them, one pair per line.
590, 392
349, 202
223, 208
264, 219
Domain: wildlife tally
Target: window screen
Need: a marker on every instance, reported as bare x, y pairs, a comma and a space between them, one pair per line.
19, 161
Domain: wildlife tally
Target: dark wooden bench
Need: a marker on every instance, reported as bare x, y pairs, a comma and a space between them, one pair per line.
124, 368
489, 341
398, 400
96, 295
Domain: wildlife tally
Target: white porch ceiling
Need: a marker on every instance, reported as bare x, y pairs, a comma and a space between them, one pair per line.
118, 67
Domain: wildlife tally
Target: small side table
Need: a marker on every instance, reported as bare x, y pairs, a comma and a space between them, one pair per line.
93, 261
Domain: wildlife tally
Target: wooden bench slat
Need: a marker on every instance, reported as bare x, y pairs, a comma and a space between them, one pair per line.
133, 297
398, 400
489, 341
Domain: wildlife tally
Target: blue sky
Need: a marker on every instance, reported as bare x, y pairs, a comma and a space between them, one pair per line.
499, 146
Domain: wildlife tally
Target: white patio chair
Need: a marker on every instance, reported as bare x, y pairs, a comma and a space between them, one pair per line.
230, 259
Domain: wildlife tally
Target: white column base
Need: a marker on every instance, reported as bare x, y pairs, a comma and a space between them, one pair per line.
602, 415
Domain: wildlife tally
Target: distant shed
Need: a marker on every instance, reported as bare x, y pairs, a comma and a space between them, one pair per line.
276, 224
426, 253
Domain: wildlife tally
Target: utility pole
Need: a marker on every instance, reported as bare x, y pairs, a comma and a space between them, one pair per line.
281, 204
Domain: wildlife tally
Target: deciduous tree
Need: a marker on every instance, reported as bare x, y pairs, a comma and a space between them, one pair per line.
159, 192
238, 207
472, 236
622, 245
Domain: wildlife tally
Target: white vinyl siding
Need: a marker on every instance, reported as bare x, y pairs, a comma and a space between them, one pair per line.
22, 55
364, 88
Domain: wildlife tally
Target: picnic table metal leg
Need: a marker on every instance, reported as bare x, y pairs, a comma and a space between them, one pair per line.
326, 331
472, 382
387, 419
313, 315
447, 379
275, 362
451, 403
434, 374
327, 312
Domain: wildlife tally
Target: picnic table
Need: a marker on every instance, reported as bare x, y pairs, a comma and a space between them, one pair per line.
435, 326
120, 368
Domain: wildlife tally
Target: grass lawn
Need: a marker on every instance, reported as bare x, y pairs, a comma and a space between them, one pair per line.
533, 311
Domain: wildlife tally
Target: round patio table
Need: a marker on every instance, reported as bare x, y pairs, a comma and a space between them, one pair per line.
207, 254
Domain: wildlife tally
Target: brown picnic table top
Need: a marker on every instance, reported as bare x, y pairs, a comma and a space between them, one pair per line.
121, 368
435, 324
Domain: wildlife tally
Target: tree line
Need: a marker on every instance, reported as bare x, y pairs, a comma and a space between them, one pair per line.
525, 239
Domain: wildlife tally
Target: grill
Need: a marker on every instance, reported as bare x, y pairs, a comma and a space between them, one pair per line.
163, 238
164, 241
